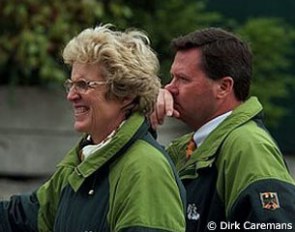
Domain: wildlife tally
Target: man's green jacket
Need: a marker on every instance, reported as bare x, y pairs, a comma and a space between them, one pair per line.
237, 179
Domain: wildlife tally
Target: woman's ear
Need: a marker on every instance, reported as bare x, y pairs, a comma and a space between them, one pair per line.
225, 86
128, 103
127, 100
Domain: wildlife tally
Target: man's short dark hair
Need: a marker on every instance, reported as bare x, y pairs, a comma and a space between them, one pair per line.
223, 54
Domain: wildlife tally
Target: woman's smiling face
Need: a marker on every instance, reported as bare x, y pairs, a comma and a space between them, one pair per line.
94, 114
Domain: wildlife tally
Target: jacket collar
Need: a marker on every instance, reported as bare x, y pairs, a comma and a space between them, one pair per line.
133, 128
205, 155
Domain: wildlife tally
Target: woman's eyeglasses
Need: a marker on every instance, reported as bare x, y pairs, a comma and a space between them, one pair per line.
81, 86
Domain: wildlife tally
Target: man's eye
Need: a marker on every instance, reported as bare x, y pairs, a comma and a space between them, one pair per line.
184, 79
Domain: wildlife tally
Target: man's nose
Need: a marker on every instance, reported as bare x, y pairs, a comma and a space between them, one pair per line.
172, 87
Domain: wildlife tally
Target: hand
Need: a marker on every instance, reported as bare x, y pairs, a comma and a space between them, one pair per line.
163, 108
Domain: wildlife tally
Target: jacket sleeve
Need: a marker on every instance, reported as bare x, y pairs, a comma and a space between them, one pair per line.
258, 187
267, 201
34, 212
19, 213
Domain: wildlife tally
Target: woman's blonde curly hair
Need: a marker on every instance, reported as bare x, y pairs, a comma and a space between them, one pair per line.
129, 65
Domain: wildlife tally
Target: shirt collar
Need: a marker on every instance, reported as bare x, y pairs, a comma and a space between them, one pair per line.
92, 148
201, 134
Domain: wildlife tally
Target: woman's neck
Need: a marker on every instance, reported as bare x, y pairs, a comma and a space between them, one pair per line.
103, 133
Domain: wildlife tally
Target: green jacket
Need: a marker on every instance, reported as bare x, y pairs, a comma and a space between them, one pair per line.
128, 185
237, 175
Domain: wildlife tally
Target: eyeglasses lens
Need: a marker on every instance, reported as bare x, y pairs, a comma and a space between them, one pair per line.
80, 86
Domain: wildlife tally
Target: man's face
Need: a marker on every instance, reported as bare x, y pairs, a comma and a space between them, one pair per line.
193, 92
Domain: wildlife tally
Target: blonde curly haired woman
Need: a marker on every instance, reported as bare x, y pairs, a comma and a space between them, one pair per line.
117, 178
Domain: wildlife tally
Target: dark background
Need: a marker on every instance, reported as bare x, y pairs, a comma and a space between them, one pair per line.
245, 9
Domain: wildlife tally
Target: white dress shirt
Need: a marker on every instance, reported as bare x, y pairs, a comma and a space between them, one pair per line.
202, 133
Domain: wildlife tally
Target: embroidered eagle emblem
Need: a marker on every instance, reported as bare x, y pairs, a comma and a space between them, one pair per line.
270, 200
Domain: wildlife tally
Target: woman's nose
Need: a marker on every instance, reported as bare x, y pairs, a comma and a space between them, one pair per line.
72, 94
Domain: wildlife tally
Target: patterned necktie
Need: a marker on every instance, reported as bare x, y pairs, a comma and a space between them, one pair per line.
191, 146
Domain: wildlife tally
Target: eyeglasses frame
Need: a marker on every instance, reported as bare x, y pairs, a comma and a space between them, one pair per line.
69, 84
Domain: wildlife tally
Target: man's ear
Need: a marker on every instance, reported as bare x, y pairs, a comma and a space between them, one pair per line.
225, 86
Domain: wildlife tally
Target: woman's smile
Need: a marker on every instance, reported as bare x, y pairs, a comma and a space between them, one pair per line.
81, 110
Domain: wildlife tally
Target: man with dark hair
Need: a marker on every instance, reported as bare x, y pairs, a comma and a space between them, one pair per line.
233, 171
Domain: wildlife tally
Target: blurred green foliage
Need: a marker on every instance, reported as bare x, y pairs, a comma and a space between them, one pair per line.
272, 42
33, 33
166, 19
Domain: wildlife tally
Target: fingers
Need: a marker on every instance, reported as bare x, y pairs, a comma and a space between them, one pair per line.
167, 103
176, 114
153, 120
159, 111
160, 106
163, 108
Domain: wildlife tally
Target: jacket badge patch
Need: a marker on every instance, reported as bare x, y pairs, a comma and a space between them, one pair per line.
269, 200
192, 213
